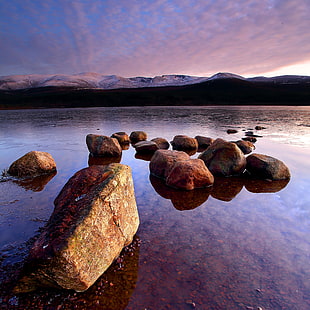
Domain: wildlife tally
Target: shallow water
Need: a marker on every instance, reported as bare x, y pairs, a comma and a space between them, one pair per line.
235, 246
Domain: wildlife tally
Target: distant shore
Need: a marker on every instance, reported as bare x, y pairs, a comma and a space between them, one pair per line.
218, 92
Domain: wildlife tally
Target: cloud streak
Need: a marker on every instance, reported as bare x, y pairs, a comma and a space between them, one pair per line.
148, 38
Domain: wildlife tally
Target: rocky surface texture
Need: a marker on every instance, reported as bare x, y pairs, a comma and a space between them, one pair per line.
162, 143
163, 161
224, 158
266, 167
185, 143
33, 164
189, 174
138, 135
122, 137
103, 146
95, 216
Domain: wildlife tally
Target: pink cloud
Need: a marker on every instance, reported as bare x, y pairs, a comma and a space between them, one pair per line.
153, 37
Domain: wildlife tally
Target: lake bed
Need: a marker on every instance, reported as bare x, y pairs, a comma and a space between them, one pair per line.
235, 246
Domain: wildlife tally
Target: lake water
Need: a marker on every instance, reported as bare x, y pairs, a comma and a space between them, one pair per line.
239, 245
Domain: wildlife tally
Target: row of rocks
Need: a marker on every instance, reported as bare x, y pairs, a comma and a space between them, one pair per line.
221, 158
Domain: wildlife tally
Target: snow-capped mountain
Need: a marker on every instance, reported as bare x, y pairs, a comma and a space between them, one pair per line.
98, 81
94, 80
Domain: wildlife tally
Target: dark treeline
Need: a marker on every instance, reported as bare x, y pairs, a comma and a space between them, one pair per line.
227, 91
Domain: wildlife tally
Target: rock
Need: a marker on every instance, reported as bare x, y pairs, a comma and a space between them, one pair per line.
145, 147
33, 164
103, 146
204, 142
266, 167
259, 127
184, 143
95, 216
231, 131
162, 143
189, 174
251, 139
251, 134
224, 158
245, 146
163, 160
121, 137
137, 136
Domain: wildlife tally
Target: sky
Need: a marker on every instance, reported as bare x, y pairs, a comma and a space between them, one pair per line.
148, 37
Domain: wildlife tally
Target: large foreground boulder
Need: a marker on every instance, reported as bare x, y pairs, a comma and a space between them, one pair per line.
266, 167
163, 161
189, 174
103, 146
33, 164
224, 158
95, 216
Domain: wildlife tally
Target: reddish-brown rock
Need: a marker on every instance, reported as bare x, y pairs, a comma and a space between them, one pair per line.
189, 174
145, 147
95, 216
137, 136
224, 158
162, 143
32, 164
163, 160
103, 146
204, 142
184, 143
266, 167
121, 137
246, 147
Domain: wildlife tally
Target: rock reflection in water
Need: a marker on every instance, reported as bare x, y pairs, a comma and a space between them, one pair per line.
265, 186
103, 160
111, 291
35, 184
182, 200
224, 188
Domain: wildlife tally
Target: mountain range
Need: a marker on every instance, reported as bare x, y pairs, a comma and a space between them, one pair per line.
94, 89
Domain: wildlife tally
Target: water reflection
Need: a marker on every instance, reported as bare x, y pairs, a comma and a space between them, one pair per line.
224, 188
36, 184
103, 160
182, 200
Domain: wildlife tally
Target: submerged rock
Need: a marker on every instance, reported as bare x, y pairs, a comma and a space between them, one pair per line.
103, 146
33, 164
189, 174
224, 158
266, 167
95, 216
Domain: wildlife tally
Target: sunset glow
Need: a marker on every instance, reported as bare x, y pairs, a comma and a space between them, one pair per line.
135, 38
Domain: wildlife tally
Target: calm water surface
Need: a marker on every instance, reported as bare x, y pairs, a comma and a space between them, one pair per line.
239, 245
